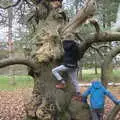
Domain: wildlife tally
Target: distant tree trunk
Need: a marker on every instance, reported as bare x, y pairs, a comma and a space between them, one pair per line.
104, 24
80, 74
76, 3
106, 73
10, 41
96, 72
10, 45
106, 67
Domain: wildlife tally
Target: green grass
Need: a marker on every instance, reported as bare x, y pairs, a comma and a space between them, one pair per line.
89, 75
21, 82
27, 81
116, 75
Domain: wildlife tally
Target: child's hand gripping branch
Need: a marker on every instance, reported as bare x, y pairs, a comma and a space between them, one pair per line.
97, 94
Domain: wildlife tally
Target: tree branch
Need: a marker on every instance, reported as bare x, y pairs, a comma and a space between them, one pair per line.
83, 14
7, 62
113, 112
96, 25
114, 52
103, 37
111, 55
28, 2
78, 36
98, 51
18, 1
101, 46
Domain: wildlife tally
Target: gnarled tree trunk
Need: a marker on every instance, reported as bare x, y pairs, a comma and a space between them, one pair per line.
47, 102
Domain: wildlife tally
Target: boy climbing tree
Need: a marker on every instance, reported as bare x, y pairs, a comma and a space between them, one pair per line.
69, 65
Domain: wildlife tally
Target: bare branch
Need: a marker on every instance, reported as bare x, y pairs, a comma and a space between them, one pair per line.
114, 52
96, 25
97, 48
83, 14
7, 62
113, 112
78, 36
103, 37
29, 4
98, 51
14, 5
101, 46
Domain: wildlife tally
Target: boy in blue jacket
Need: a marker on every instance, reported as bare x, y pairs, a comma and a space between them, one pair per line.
97, 94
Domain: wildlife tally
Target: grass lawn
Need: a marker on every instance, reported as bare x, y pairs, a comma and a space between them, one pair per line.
27, 81
20, 82
89, 75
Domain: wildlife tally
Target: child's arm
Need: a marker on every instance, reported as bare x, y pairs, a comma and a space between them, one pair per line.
113, 98
85, 94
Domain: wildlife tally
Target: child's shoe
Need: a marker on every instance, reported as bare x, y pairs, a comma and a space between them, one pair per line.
78, 97
60, 86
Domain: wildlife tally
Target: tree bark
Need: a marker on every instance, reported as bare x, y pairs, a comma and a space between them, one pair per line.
106, 67
49, 103
83, 14
45, 95
106, 73
96, 72
10, 44
113, 113
80, 75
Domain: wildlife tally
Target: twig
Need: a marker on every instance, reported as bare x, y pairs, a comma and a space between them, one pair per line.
96, 25
14, 5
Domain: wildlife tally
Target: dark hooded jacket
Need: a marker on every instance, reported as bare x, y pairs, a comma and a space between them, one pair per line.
71, 53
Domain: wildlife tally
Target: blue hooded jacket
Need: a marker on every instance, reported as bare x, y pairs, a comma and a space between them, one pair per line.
97, 94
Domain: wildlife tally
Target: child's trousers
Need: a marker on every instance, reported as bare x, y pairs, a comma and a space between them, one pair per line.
71, 72
97, 114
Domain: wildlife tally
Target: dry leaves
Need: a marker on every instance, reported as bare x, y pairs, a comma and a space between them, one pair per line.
12, 105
